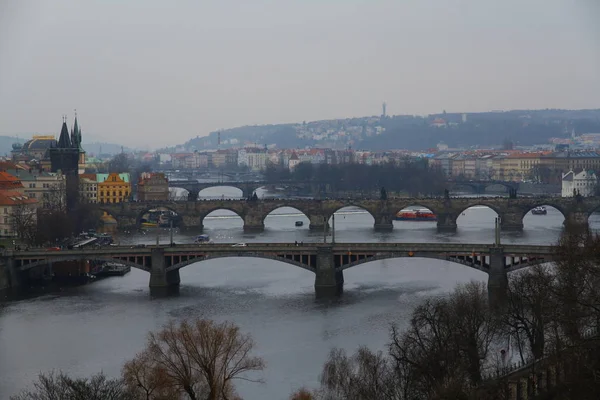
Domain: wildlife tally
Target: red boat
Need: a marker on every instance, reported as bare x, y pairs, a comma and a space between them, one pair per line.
415, 215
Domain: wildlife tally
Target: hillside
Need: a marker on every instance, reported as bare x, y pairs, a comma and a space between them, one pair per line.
524, 127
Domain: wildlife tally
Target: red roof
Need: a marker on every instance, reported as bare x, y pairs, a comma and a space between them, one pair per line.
12, 198
9, 182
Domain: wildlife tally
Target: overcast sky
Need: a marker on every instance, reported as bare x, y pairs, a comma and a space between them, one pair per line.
151, 73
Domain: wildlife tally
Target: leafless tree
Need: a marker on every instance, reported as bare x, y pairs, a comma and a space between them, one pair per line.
23, 220
363, 376
199, 358
58, 386
148, 380
530, 310
447, 343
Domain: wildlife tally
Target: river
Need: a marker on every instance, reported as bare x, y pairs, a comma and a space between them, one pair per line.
96, 327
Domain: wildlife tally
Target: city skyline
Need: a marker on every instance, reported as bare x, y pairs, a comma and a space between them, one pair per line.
161, 74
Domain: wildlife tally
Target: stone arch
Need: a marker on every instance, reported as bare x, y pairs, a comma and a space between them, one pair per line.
305, 215
225, 185
460, 210
404, 206
207, 212
330, 213
233, 254
526, 209
50, 260
104, 210
149, 207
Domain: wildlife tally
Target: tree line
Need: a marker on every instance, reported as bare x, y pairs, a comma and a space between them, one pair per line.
455, 347
412, 177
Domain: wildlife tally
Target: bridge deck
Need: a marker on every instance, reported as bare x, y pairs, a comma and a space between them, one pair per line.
287, 247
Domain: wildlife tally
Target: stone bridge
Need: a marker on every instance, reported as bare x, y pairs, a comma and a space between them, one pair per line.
319, 189
510, 211
194, 187
326, 261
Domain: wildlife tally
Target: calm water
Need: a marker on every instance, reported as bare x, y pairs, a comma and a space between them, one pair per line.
96, 327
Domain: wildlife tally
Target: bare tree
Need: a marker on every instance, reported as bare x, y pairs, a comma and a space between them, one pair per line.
530, 310
199, 358
147, 380
58, 386
363, 376
23, 220
447, 343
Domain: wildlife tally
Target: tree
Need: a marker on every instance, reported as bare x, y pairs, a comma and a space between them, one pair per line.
23, 220
198, 358
58, 386
448, 341
147, 380
530, 310
119, 163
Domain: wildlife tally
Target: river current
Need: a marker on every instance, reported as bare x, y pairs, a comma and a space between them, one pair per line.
97, 327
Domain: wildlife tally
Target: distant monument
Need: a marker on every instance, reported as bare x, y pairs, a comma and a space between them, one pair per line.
64, 157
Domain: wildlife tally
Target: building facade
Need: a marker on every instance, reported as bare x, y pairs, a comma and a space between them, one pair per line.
153, 187
19, 213
583, 183
113, 188
88, 190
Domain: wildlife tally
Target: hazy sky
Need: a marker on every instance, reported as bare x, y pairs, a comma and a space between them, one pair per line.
151, 73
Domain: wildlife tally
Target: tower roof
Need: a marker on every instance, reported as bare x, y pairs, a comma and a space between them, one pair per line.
64, 142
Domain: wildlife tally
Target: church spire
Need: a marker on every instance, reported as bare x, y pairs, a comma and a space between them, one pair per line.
63, 141
76, 134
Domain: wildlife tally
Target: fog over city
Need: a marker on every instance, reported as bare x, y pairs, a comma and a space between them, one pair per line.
151, 73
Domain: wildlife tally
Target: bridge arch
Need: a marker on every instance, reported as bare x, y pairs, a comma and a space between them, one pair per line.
147, 209
350, 205
558, 207
441, 257
44, 262
233, 212
415, 205
227, 194
304, 217
241, 255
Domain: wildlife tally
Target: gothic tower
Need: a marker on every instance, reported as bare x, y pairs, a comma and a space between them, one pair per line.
64, 157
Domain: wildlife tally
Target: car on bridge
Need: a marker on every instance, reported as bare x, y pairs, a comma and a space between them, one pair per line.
239, 245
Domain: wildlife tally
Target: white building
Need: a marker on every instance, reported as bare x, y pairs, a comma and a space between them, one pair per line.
583, 183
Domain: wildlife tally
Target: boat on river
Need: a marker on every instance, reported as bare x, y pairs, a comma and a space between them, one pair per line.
541, 210
415, 215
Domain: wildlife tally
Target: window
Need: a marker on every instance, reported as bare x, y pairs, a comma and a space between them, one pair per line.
5, 210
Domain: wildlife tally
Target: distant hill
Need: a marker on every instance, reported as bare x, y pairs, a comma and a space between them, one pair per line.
523, 127
103, 148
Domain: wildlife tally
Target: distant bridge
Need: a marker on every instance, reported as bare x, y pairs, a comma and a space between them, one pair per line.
320, 189
326, 261
510, 211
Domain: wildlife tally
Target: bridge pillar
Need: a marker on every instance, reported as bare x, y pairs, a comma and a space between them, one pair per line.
446, 222
191, 222
193, 194
577, 221
383, 223
318, 223
329, 282
497, 278
15, 277
511, 221
161, 281
253, 223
